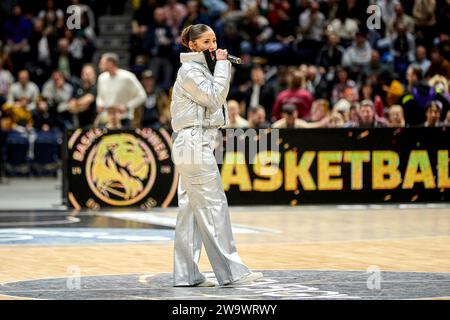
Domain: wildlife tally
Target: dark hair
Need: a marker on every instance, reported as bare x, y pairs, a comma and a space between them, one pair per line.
192, 33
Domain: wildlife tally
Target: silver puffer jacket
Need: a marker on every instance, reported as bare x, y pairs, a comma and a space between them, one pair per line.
198, 96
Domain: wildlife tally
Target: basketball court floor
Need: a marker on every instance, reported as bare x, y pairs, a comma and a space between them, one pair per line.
305, 252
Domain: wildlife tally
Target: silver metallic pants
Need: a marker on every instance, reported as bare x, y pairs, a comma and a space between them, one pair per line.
203, 212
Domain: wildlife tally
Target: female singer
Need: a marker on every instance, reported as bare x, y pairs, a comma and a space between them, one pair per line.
198, 110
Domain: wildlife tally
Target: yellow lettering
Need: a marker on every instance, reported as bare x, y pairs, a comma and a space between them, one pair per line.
443, 177
419, 170
356, 159
294, 172
325, 170
266, 165
385, 163
234, 172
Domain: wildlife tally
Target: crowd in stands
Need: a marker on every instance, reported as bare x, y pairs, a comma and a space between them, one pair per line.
307, 64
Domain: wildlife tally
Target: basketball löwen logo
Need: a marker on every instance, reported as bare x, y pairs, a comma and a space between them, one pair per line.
120, 169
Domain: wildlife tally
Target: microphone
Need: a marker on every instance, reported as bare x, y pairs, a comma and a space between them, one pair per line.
234, 59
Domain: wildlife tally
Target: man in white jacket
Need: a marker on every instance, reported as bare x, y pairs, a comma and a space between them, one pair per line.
119, 91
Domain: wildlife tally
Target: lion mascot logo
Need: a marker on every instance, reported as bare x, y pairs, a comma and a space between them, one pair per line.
119, 166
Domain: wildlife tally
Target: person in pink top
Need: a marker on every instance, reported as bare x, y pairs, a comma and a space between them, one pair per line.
296, 95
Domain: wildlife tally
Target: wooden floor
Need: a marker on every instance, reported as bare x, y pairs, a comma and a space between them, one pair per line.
312, 238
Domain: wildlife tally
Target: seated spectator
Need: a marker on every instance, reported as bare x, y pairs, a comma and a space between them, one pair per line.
395, 117
16, 114
193, 16
342, 83
421, 59
400, 18
58, 92
43, 120
155, 104
368, 117
440, 85
433, 114
236, 121
348, 98
375, 68
418, 96
257, 118
17, 33
345, 28
331, 53
358, 55
158, 45
257, 91
290, 119
175, 12
82, 106
336, 120
296, 95
64, 61
367, 93
52, 16
6, 80
320, 110
316, 83
311, 28
402, 49
439, 65
24, 88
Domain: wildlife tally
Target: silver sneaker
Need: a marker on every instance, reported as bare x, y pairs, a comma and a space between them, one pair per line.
248, 278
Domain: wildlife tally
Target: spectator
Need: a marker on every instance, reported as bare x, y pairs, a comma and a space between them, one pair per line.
296, 95
348, 98
290, 119
24, 88
320, 110
51, 16
403, 48
6, 80
367, 116
400, 18
158, 44
343, 82
421, 59
316, 83
236, 121
440, 85
312, 25
43, 120
194, 16
331, 54
358, 55
257, 92
336, 120
17, 33
433, 114
395, 116
375, 68
345, 28
257, 118
58, 92
64, 61
389, 10
425, 19
367, 93
82, 106
439, 65
118, 91
139, 25
155, 104
174, 13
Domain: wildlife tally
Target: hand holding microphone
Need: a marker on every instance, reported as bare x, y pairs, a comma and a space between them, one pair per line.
222, 54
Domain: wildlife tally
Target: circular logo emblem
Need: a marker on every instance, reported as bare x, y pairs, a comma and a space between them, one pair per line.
121, 168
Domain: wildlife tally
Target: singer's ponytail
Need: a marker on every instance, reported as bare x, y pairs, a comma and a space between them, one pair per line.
192, 33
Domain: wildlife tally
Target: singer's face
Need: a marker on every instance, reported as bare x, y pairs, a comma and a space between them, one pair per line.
207, 41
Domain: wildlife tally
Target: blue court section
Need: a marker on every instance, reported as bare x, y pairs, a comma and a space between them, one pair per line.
82, 236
